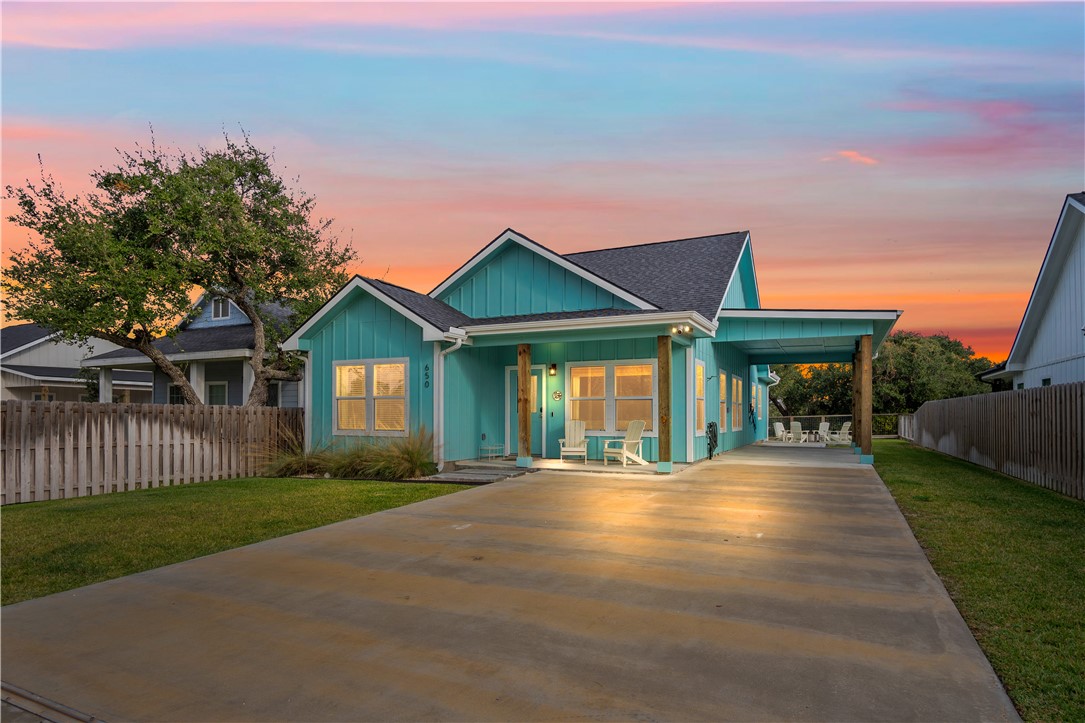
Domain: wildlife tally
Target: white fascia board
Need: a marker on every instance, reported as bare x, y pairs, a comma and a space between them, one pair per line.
1038, 297
890, 315
429, 331
67, 380
24, 347
665, 317
128, 361
547, 254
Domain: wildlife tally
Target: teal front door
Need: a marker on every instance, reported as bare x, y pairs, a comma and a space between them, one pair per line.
536, 411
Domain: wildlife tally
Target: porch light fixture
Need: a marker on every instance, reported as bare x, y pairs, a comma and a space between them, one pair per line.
553, 370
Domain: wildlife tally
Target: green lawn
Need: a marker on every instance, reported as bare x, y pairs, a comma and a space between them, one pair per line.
48, 547
1012, 556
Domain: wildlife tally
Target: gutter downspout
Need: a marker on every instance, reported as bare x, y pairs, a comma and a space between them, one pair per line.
439, 399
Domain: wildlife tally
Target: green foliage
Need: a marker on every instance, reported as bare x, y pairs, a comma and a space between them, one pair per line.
53, 546
396, 458
1012, 556
911, 368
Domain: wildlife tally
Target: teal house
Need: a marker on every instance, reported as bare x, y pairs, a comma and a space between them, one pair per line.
670, 333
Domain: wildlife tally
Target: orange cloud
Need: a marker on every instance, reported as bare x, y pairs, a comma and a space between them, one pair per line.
853, 157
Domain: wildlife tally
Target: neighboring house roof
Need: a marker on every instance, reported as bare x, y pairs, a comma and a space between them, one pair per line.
190, 342
68, 373
1057, 251
682, 275
19, 336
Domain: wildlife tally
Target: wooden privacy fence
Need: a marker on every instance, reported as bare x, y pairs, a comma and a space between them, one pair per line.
55, 450
1037, 435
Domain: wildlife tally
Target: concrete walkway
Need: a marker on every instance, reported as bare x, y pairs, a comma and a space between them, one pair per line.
741, 589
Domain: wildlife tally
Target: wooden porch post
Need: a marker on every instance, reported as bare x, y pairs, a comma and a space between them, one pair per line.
523, 405
663, 368
855, 421
866, 398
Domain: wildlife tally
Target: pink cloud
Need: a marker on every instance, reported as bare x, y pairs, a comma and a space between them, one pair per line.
853, 157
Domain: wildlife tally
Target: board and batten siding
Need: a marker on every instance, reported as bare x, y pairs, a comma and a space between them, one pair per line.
519, 281
1057, 351
365, 328
731, 360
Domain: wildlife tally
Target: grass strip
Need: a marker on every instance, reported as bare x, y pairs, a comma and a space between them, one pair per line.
58, 545
1012, 556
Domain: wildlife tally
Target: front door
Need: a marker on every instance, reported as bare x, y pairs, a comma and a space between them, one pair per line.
536, 411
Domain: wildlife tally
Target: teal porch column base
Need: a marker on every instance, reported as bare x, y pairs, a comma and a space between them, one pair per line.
523, 461
856, 450
663, 467
866, 459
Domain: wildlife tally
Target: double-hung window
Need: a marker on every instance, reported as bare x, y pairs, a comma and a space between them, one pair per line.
736, 402
607, 396
698, 397
220, 308
723, 401
371, 397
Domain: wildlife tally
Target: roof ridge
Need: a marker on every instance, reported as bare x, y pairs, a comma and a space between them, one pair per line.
656, 243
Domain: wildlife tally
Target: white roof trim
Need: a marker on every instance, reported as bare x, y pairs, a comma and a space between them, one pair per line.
1027, 318
664, 317
175, 357
809, 314
24, 347
429, 331
69, 380
547, 254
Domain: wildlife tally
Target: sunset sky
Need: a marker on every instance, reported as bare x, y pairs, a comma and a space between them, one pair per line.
907, 156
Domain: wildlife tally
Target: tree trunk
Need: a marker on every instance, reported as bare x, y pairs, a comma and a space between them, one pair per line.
262, 372
144, 344
778, 402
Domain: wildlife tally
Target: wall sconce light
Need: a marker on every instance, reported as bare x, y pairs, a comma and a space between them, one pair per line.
553, 370
681, 329
674, 330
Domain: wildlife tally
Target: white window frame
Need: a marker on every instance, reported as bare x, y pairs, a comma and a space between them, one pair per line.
609, 398
698, 366
207, 391
760, 402
370, 420
215, 315
725, 410
737, 382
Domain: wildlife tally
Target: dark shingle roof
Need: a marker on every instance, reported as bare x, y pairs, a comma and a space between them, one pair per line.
19, 335
559, 315
1079, 197
119, 375
432, 310
683, 275
191, 341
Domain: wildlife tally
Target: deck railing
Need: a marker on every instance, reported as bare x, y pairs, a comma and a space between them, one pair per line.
882, 425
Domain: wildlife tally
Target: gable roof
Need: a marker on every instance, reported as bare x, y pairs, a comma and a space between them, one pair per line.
435, 311
190, 342
1057, 250
682, 275
19, 336
509, 236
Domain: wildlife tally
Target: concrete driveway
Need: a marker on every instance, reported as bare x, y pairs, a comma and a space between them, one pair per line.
765, 586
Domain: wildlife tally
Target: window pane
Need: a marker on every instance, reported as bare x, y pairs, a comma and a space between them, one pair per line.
216, 394
592, 413
626, 410
389, 415
700, 380
588, 382
700, 415
351, 414
176, 396
723, 416
350, 382
389, 380
633, 380
272, 395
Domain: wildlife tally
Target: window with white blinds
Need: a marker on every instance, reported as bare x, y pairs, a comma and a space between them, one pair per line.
371, 397
608, 395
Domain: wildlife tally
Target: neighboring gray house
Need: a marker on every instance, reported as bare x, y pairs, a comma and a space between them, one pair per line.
214, 349
1050, 343
36, 367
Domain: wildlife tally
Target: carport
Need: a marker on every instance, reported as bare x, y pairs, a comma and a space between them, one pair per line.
816, 336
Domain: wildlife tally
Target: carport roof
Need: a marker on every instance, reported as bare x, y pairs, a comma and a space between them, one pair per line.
802, 336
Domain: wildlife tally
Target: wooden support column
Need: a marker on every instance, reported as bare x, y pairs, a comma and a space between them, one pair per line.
663, 368
856, 422
523, 405
866, 398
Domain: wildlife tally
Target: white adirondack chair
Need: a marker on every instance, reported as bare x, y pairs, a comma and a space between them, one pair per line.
575, 443
823, 432
781, 435
797, 435
842, 435
628, 449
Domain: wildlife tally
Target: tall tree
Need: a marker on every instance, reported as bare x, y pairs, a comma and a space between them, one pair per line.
119, 264
94, 267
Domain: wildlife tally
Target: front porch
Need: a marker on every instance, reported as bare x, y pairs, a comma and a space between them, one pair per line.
557, 465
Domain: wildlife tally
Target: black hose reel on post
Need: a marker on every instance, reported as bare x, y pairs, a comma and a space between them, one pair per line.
712, 434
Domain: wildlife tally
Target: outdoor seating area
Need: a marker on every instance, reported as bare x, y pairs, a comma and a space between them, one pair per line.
822, 435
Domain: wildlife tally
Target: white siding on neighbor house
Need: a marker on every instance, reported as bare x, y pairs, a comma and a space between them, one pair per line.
1057, 350
50, 354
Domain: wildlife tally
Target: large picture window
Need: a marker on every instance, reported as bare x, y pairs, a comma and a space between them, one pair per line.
607, 396
736, 403
723, 401
698, 397
371, 397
